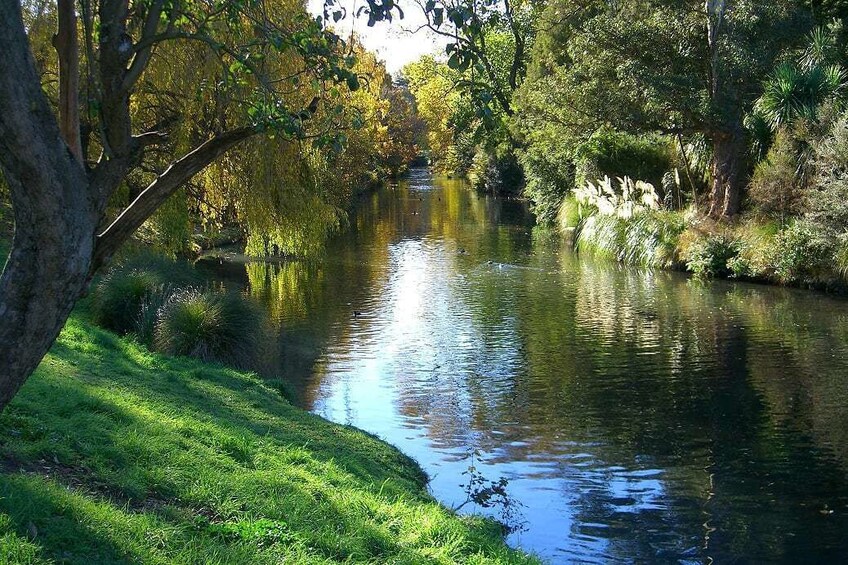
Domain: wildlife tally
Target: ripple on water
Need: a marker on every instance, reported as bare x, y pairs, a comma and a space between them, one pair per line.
637, 416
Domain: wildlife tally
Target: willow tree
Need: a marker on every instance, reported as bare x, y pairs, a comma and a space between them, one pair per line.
64, 160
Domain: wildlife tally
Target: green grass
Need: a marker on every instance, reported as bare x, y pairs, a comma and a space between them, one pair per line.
113, 454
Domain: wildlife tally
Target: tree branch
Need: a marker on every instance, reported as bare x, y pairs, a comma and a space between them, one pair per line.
142, 56
66, 42
164, 186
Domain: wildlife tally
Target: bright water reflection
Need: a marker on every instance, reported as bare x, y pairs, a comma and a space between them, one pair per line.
638, 416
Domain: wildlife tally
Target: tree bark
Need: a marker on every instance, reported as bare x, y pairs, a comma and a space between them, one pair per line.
66, 43
53, 244
727, 173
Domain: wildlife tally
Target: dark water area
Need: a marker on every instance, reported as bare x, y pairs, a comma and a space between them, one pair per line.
637, 415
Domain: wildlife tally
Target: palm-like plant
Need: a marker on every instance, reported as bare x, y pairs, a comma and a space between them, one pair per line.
822, 47
796, 91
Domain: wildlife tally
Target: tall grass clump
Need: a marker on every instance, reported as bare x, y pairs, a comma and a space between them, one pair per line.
122, 292
624, 220
119, 296
148, 313
211, 326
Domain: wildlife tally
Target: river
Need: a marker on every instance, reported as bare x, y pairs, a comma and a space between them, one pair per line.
635, 415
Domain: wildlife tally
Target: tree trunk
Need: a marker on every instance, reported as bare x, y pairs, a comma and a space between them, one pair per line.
727, 174
55, 214
66, 43
44, 277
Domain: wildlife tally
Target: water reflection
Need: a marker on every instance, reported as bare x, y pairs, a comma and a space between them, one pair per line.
637, 415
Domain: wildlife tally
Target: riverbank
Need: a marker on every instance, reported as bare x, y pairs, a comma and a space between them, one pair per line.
795, 253
113, 454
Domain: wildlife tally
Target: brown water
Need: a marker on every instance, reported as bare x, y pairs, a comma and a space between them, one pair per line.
637, 416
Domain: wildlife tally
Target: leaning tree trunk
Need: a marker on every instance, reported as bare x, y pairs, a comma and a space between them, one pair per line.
44, 277
55, 215
727, 174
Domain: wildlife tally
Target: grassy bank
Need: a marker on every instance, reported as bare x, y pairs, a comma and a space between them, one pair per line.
113, 454
795, 253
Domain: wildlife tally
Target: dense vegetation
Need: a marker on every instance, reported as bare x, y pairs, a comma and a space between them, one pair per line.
732, 112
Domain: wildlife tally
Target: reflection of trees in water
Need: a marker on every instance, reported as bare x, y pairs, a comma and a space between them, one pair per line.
737, 394
803, 379
287, 288
650, 371
669, 369
313, 302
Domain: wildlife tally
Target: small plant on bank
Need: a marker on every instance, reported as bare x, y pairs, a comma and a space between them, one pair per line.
486, 493
713, 255
210, 326
119, 296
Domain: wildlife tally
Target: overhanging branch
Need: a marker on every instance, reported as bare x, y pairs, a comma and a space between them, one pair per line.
164, 186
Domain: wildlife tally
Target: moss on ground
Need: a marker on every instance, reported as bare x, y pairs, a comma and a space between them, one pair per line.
113, 454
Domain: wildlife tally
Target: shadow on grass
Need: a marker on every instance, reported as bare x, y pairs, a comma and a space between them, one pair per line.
116, 455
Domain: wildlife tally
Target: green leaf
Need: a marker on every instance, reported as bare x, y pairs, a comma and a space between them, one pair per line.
438, 16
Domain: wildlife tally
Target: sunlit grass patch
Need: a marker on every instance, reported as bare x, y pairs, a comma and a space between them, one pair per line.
113, 454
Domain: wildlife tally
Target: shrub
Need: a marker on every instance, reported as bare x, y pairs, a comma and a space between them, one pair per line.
118, 298
210, 326
797, 256
615, 154
712, 255
827, 201
548, 166
756, 241
777, 185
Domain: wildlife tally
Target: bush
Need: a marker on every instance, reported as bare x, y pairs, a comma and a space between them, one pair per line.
827, 201
712, 255
210, 326
548, 166
798, 257
756, 241
615, 154
119, 296
777, 187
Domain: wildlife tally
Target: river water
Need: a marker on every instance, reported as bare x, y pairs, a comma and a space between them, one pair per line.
637, 416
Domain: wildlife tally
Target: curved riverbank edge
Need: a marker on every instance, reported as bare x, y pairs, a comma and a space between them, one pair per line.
113, 454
